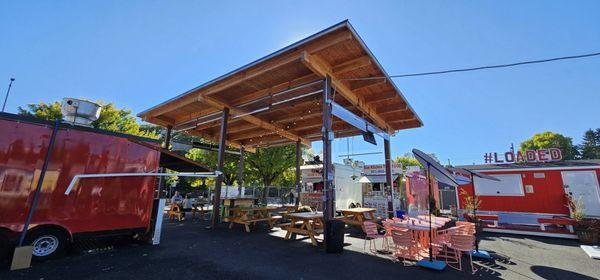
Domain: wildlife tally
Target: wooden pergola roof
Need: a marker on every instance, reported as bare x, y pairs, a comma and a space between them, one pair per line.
276, 99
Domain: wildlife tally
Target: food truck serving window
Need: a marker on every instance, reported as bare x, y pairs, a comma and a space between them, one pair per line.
509, 185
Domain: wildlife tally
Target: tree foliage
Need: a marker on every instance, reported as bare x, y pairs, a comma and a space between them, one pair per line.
269, 164
111, 118
549, 139
407, 160
590, 146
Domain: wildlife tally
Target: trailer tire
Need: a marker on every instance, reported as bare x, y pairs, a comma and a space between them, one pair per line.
48, 243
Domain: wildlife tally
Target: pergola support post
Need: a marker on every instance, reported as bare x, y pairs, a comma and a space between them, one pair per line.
220, 162
388, 178
298, 157
241, 171
161, 182
328, 136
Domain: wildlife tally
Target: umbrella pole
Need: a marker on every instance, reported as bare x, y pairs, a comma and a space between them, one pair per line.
431, 263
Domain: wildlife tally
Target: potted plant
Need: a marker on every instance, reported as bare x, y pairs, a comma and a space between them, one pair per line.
587, 229
471, 205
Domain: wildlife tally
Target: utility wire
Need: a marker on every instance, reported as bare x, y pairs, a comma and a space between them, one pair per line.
478, 68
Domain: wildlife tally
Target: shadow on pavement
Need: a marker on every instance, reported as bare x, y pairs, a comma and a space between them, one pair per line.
552, 273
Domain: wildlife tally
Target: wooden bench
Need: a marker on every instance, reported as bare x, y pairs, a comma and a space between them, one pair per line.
493, 218
568, 223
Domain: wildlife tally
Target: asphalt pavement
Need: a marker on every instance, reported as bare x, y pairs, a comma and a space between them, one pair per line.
189, 251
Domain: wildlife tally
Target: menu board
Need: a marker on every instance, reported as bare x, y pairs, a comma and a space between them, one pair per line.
313, 199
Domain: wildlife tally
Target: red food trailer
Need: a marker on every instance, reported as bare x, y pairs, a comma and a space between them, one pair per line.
535, 194
103, 206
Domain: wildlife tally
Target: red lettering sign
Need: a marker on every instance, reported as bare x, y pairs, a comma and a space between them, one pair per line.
555, 154
531, 155
520, 157
542, 155
509, 157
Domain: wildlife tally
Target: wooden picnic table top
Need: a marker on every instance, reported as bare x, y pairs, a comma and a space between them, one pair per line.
306, 215
359, 210
243, 209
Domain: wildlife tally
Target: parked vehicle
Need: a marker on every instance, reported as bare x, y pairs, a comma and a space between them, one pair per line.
95, 206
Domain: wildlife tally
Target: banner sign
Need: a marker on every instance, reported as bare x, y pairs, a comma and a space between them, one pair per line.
542, 155
379, 169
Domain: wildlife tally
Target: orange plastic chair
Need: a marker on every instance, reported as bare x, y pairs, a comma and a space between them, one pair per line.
372, 234
461, 243
404, 245
175, 211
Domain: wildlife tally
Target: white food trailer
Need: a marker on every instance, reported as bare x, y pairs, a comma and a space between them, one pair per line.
348, 190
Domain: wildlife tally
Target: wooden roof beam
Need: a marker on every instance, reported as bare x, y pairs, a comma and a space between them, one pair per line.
391, 108
350, 65
360, 84
215, 138
321, 67
253, 119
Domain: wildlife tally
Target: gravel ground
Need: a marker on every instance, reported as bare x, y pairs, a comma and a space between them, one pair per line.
188, 251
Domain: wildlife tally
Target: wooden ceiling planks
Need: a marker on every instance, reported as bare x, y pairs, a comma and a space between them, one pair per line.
337, 52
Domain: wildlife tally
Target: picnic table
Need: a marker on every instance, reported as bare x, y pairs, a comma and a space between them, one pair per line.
308, 223
250, 216
358, 216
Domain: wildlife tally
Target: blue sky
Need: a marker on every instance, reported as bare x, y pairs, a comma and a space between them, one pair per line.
140, 53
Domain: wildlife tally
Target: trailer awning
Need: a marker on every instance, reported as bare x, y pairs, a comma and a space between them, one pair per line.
180, 163
375, 179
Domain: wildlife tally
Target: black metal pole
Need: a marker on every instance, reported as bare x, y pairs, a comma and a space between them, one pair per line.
430, 212
241, 171
298, 157
168, 137
40, 182
7, 92
220, 163
327, 162
161, 180
388, 178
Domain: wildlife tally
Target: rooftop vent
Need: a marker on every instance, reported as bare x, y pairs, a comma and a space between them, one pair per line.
82, 112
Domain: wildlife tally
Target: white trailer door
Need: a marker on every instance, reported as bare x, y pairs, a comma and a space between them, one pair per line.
584, 185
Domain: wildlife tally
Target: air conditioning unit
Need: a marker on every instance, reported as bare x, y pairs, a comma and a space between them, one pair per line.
81, 112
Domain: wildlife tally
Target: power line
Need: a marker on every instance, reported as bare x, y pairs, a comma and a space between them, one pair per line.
479, 68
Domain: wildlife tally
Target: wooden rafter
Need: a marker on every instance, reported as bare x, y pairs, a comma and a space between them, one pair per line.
215, 138
253, 119
347, 66
323, 68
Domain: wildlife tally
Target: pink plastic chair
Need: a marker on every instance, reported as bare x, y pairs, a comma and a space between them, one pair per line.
372, 234
461, 243
466, 227
404, 245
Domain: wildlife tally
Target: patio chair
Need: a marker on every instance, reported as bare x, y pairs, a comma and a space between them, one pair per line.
372, 234
175, 211
461, 243
404, 245
466, 227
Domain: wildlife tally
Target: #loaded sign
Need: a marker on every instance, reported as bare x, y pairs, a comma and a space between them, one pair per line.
542, 155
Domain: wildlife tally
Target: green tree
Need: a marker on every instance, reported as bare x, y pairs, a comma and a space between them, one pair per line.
209, 158
407, 160
111, 118
590, 146
549, 139
46, 111
269, 164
